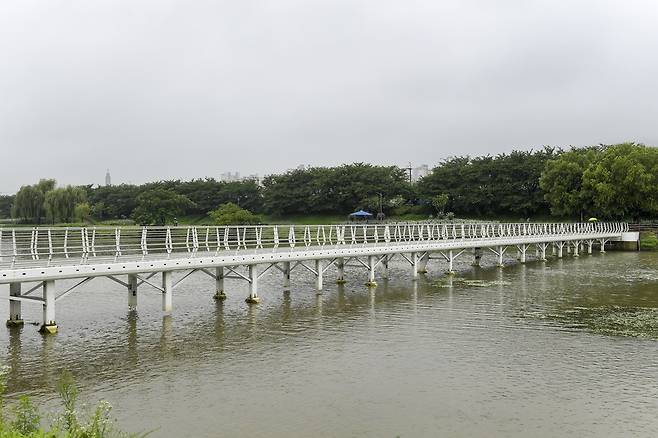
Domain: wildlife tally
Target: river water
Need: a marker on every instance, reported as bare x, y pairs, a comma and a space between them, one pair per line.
563, 348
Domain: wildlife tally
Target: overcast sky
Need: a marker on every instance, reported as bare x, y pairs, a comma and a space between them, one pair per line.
180, 89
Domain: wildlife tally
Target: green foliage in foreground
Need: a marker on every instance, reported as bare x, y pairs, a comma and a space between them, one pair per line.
23, 420
231, 214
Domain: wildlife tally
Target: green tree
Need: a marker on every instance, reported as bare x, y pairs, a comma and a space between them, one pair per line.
160, 206
231, 214
46, 185
612, 182
6, 201
98, 210
623, 182
507, 184
82, 211
59, 204
116, 201
562, 182
28, 204
333, 190
439, 202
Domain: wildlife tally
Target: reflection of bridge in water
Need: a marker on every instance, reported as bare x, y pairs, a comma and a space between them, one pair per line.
45, 255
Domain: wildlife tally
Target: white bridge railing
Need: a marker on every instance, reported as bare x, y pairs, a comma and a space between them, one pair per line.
48, 246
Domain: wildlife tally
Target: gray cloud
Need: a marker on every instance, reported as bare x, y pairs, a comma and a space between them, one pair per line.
173, 89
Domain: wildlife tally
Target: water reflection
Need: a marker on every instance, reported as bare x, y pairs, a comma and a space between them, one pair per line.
133, 354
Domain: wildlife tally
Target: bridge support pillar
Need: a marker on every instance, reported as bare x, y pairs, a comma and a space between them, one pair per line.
132, 291
414, 265
522, 249
553, 249
48, 326
422, 263
385, 266
451, 259
477, 256
542, 249
590, 243
253, 297
602, 241
340, 264
286, 276
15, 317
560, 247
220, 295
500, 251
318, 277
372, 263
575, 249
167, 292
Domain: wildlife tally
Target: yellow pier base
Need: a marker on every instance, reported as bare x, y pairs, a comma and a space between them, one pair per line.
15, 322
220, 296
252, 300
48, 329
371, 284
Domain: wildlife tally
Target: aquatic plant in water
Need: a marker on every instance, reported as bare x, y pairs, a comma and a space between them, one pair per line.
23, 420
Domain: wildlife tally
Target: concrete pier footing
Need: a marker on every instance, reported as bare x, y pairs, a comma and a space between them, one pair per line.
48, 325
286, 276
477, 256
167, 292
319, 274
220, 295
372, 264
132, 291
414, 265
15, 317
422, 263
340, 266
253, 297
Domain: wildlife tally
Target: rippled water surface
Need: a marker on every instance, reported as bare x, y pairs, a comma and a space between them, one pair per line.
563, 348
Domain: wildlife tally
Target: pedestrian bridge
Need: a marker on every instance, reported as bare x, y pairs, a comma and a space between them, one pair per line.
134, 256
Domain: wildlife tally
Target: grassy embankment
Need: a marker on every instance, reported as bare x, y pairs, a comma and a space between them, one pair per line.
648, 241
205, 220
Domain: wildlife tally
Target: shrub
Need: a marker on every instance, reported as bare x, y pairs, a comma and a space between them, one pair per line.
231, 214
24, 420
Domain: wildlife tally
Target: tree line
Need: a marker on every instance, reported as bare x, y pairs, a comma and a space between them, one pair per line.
610, 182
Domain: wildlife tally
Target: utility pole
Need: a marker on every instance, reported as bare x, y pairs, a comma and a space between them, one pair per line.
410, 169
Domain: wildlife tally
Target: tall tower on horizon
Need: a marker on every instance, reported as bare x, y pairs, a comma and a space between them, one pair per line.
108, 178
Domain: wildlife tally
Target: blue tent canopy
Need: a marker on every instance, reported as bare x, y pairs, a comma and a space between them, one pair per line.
361, 213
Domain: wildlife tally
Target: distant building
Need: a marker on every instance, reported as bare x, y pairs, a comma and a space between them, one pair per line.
108, 178
235, 177
420, 172
229, 176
